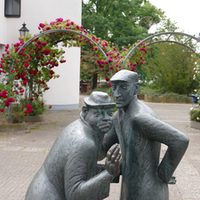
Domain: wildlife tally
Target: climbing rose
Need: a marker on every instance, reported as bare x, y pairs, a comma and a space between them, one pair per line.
46, 51
9, 101
4, 94
41, 25
29, 109
59, 19
62, 61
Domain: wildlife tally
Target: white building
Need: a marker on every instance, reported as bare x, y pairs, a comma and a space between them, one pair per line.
64, 91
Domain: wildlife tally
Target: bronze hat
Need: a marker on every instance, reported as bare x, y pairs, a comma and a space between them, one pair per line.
99, 99
125, 75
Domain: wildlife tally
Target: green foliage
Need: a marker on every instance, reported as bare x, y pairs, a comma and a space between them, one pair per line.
195, 114
120, 22
197, 77
15, 113
166, 25
89, 65
149, 90
170, 68
156, 95
38, 107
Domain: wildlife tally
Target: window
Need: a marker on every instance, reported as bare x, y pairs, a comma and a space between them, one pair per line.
12, 8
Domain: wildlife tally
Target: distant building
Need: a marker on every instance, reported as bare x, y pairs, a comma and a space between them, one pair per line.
64, 91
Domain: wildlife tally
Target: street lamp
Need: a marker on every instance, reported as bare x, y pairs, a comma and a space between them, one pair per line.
23, 30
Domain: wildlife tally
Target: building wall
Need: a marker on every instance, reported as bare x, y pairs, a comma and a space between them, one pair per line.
64, 91
34, 12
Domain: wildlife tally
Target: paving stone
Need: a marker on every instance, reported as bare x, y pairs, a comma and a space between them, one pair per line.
22, 153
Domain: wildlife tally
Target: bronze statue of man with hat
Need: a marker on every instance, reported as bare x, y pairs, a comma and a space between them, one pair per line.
140, 135
70, 171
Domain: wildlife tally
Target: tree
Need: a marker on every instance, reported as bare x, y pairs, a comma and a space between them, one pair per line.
171, 68
122, 22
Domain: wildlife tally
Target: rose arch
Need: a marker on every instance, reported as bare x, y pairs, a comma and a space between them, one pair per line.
66, 31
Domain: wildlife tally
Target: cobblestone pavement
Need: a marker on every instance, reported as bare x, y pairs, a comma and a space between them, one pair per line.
22, 151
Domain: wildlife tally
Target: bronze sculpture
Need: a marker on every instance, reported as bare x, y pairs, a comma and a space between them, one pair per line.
70, 171
140, 135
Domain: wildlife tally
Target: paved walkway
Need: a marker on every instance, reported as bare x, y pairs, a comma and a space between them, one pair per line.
23, 151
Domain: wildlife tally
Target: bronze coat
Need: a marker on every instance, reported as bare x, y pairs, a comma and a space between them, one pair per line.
70, 171
140, 135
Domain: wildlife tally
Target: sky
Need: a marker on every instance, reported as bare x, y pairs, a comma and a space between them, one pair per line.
185, 13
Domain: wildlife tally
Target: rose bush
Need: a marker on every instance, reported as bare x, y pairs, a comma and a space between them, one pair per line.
25, 74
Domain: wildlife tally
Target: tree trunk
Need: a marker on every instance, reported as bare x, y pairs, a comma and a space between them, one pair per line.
94, 80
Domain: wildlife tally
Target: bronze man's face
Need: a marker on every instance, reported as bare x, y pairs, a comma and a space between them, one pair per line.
100, 118
123, 92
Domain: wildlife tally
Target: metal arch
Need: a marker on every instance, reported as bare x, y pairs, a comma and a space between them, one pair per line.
175, 42
65, 31
170, 34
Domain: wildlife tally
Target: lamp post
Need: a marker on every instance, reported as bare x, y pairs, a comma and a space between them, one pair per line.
23, 30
